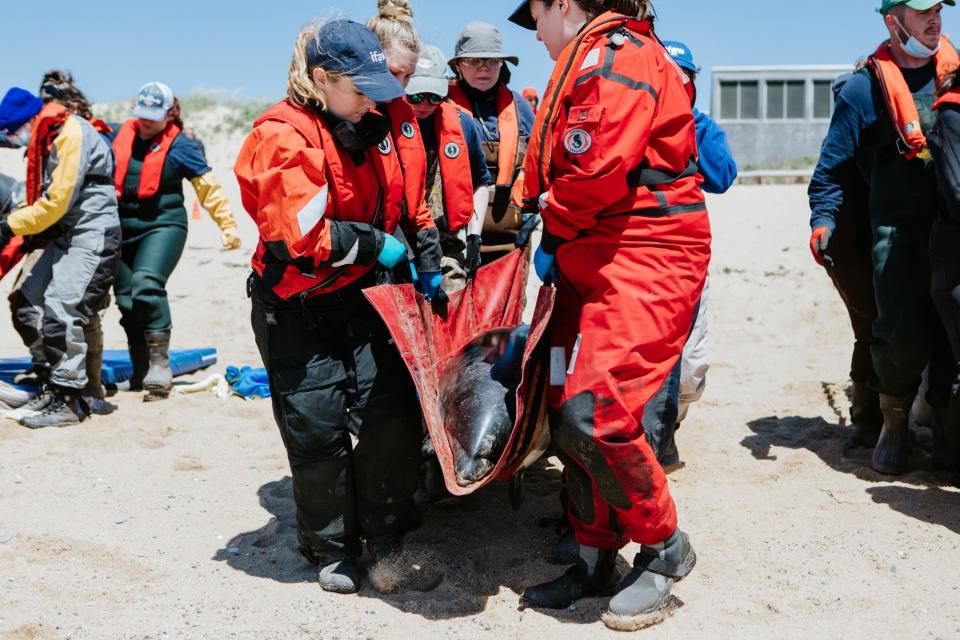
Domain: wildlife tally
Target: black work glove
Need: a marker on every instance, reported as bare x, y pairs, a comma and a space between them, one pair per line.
530, 223
472, 262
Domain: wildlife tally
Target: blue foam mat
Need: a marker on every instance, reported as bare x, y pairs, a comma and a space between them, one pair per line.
117, 366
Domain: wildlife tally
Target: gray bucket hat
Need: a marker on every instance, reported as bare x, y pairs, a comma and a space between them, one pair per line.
481, 40
431, 73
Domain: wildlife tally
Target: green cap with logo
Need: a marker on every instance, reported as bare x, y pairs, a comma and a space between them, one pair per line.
918, 5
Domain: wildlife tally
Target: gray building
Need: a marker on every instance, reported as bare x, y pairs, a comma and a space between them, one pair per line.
774, 116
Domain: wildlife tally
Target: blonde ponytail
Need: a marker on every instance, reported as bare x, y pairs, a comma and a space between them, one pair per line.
301, 89
393, 25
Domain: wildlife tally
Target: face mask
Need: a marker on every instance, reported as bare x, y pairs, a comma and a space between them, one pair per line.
914, 47
21, 137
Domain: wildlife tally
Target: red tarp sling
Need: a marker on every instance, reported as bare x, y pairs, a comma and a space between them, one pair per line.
427, 338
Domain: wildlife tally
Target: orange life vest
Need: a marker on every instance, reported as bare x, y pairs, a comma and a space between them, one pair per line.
455, 172
272, 197
950, 97
508, 124
51, 118
413, 158
898, 99
152, 170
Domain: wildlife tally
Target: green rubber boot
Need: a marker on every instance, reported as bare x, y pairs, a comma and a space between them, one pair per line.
893, 448
159, 379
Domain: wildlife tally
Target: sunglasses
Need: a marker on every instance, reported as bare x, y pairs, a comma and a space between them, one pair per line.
431, 98
482, 63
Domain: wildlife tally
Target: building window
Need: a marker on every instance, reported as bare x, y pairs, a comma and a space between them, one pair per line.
740, 100
785, 100
822, 99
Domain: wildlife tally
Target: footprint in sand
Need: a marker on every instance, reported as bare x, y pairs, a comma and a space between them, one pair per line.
188, 463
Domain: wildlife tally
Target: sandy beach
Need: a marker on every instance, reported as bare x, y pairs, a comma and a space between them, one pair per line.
175, 519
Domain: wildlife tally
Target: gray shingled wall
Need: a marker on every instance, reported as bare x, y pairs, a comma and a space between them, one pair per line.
770, 144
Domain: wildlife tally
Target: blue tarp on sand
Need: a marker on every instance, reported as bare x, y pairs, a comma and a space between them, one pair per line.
117, 366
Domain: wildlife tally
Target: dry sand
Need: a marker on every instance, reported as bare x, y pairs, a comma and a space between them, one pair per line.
175, 519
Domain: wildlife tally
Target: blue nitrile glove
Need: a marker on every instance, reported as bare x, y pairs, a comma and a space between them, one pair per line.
430, 283
413, 272
546, 266
392, 253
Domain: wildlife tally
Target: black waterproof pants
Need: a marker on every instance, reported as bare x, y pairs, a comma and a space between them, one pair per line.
945, 284
908, 332
148, 260
852, 274
335, 373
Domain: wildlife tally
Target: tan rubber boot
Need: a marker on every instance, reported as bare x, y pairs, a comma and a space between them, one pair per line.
159, 379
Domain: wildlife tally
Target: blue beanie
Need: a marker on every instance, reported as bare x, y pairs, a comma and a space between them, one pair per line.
17, 107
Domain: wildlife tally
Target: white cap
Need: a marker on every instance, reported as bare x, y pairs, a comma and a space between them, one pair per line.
153, 101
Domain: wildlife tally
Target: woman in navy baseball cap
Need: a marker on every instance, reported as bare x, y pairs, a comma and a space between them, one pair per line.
319, 176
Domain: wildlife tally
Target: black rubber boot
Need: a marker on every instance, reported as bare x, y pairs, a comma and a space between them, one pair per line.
643, 598
340, 576
159, 379
94, 395
866, 416
946, 437
93, 336
64, 410
140, 359
669, 454
893, 447
595, 574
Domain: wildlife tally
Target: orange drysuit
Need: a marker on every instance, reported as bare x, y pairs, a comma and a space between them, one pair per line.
612, 167
322, 217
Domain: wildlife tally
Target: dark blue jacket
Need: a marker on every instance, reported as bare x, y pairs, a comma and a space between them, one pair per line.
717, 165
858, 127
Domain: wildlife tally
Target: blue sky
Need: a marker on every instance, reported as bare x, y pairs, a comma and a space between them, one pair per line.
243, 47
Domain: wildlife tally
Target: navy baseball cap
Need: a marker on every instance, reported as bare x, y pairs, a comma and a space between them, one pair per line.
347, 47
681, 54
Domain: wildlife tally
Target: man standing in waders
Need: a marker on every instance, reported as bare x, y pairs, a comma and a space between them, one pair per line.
878, 130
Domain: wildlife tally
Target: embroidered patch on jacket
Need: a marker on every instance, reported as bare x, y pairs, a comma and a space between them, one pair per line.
385, 147
406, 129
452, 150
577, 141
